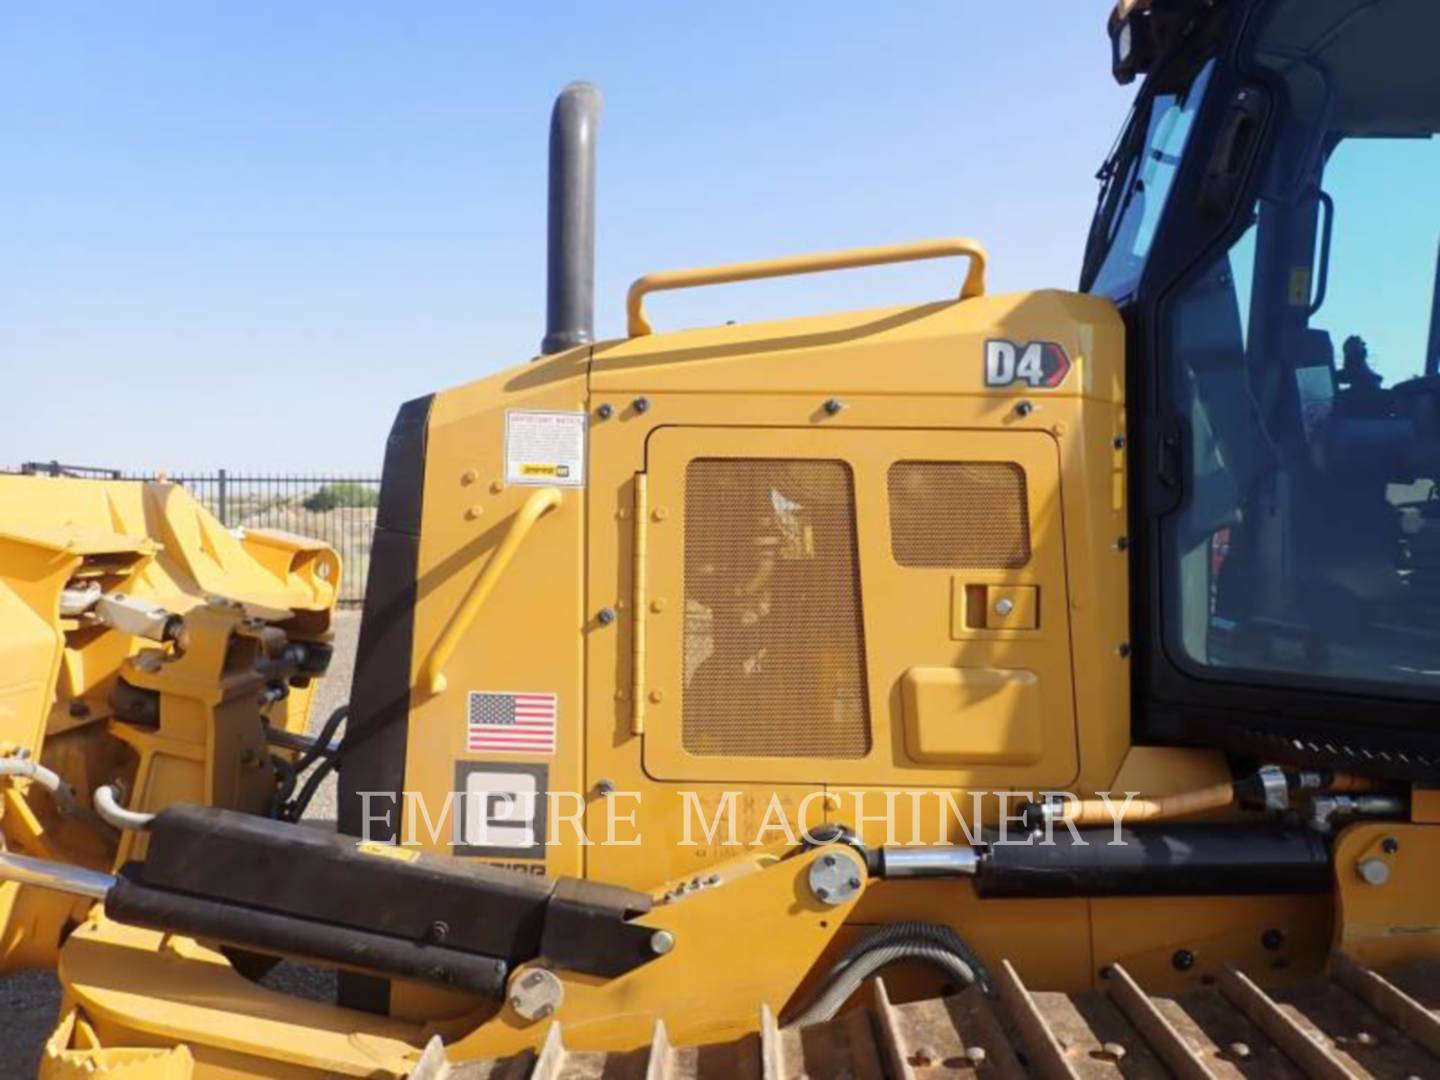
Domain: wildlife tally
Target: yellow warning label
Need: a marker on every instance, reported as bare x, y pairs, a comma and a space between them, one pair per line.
539, 470
1300, 286
386, 851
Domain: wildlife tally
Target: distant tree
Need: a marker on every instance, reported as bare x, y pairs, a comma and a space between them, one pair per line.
332, 496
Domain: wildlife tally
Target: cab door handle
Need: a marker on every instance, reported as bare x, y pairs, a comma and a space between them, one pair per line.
1233, 149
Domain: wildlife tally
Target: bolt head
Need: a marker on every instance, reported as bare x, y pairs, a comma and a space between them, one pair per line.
538, 993
1183, 960
833, 406
605, 411
1373, 871
641, 404
605, 616
1390, 845
661, 942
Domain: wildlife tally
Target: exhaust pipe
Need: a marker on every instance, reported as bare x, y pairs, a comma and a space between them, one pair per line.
570, 274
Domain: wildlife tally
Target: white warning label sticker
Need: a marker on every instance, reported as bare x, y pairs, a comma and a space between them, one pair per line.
545, 448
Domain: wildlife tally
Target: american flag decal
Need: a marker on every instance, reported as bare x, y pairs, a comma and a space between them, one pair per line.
510, 723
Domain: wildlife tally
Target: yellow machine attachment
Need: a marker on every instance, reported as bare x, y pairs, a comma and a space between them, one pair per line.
150, 657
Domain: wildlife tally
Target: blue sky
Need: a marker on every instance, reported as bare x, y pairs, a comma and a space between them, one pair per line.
240, 234
1382, 257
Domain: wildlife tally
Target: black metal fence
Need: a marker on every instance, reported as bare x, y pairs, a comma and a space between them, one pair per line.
83, 472
340, 510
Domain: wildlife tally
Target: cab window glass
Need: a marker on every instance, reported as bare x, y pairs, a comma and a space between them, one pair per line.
1146, 184
1384, 249
1307, 543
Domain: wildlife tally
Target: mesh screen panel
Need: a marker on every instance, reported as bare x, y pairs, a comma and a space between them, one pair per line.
959, 513
774, 653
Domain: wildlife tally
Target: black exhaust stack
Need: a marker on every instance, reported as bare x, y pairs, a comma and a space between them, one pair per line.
570, 276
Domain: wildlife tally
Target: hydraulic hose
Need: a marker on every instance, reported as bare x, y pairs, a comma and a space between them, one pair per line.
1339, 782
48, 779
927, 943
1167, 807
107, 805
294, 809
1160, 808
323, 740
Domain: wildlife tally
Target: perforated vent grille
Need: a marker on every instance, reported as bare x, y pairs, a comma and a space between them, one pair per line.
959, 513
774, 653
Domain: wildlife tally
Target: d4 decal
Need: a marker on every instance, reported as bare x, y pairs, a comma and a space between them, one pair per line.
1042, 365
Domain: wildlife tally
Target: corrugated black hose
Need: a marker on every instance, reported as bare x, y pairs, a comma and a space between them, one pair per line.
926, 943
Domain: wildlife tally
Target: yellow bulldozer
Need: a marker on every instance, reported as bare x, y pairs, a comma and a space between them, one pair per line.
1033, 684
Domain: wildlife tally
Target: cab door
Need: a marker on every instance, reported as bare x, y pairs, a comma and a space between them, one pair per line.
856, 607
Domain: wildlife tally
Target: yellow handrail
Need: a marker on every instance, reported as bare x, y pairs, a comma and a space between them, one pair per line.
535, 507
639, 323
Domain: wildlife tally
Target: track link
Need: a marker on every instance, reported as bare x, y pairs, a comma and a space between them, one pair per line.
1355, 1023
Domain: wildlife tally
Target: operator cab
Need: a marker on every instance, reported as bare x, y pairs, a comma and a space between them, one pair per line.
1269, 227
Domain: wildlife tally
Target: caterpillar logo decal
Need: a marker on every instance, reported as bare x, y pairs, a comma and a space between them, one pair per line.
500, 810
1042, 365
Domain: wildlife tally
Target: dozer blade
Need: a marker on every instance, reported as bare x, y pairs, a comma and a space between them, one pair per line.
1355, 1023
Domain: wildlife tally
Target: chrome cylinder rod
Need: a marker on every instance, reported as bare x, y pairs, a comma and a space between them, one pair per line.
919, 862
44, 874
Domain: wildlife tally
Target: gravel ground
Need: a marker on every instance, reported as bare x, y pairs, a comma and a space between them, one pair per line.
30, 1000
